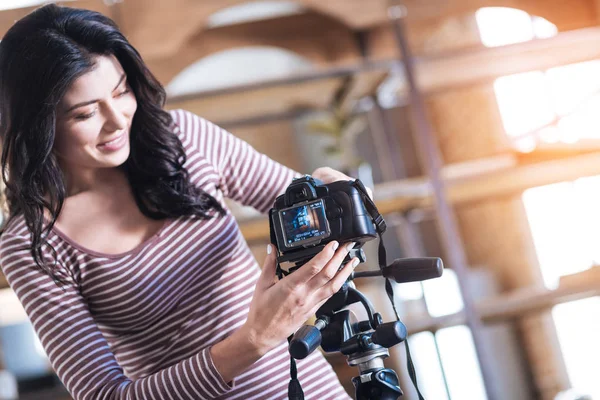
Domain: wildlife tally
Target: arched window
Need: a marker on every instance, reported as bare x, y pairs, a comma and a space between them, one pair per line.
559, 106
253, 11
242, 65
236, 67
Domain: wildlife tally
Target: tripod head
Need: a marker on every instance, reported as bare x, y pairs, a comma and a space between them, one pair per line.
365, 343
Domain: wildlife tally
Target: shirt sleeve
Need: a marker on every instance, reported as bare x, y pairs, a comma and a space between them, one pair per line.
244, 174
78, 351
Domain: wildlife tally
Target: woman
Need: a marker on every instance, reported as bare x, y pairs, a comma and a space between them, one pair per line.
119, 245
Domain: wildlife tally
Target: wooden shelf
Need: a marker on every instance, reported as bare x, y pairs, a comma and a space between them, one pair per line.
458, 69
466, 182
518, 303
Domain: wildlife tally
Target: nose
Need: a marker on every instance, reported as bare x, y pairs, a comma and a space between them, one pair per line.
115, 119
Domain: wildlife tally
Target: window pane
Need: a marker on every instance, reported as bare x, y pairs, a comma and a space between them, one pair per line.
588, 196
460, 364
556, 221
409, 291
578, 328
542, 28
571, 85
427, 365
523, 102
493, 23
443, 294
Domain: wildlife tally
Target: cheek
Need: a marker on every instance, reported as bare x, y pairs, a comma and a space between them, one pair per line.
131, 106
70, 138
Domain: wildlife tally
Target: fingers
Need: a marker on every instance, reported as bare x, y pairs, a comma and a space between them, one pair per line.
316, 308
267, 276
329, 175
334, 285
332, 267
315, 265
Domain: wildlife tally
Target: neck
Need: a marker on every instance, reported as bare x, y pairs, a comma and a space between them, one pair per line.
98, 179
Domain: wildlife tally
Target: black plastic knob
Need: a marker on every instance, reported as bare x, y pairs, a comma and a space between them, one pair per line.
304, 342
389, 334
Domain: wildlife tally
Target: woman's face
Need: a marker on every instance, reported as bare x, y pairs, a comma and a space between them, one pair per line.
94, 119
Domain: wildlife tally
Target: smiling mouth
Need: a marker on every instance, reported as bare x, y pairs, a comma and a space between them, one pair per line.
115, 140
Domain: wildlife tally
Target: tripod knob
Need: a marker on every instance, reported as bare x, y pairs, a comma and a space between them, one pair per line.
389, 334
305, 341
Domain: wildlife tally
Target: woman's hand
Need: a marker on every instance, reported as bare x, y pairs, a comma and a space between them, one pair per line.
279, 308
328, 175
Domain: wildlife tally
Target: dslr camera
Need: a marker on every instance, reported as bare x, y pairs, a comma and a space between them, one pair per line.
311, 214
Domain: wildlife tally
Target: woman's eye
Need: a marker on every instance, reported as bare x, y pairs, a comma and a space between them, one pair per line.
123, 93
85, 116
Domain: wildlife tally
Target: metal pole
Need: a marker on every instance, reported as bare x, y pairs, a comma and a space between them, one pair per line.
447, 226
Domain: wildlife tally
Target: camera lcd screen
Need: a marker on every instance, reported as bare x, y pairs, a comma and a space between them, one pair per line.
304, 223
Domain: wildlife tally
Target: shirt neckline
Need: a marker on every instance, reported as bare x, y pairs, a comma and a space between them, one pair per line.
95, 253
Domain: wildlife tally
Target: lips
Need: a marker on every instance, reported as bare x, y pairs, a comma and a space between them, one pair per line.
114, 140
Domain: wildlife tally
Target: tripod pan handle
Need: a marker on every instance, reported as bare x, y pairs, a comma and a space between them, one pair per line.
389, 334
304, 342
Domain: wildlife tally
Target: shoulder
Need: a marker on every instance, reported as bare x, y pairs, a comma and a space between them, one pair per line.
188, 124
14, 240
15, 227
199, 134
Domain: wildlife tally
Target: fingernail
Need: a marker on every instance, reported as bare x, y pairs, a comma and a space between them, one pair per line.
350, 246
335, 246
355, 262
269, 249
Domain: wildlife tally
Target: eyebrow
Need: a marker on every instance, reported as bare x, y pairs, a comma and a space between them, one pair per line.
85, 103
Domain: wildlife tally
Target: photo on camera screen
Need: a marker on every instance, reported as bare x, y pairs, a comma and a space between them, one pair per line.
304, 223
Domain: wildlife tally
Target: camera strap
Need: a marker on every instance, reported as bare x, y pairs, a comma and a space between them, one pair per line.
381, 227
294, 388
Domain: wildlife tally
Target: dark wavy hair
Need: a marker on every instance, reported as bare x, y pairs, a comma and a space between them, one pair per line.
40, 57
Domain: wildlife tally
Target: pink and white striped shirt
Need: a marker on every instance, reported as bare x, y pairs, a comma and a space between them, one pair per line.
139, 325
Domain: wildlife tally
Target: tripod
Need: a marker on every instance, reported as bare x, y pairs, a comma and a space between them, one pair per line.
365, 343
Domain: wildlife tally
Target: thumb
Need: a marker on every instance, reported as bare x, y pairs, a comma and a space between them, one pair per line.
267, 276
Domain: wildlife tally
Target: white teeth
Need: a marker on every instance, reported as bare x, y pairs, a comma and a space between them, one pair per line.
113, 141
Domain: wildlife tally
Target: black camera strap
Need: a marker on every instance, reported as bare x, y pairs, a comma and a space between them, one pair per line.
294, 388
381, 228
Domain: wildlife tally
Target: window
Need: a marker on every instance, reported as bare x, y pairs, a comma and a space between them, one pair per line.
253, 11
447, 357
557, 106
239, 66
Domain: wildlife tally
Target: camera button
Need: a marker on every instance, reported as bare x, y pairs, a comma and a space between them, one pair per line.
334, 212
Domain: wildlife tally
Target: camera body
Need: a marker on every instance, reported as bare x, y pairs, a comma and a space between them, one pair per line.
311, 214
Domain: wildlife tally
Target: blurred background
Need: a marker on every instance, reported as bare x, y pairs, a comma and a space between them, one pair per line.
477, 124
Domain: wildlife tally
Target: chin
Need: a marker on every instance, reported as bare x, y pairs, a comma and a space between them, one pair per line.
120, 158
114, 158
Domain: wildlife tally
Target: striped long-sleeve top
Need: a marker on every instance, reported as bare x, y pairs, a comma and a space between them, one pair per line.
139, 325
